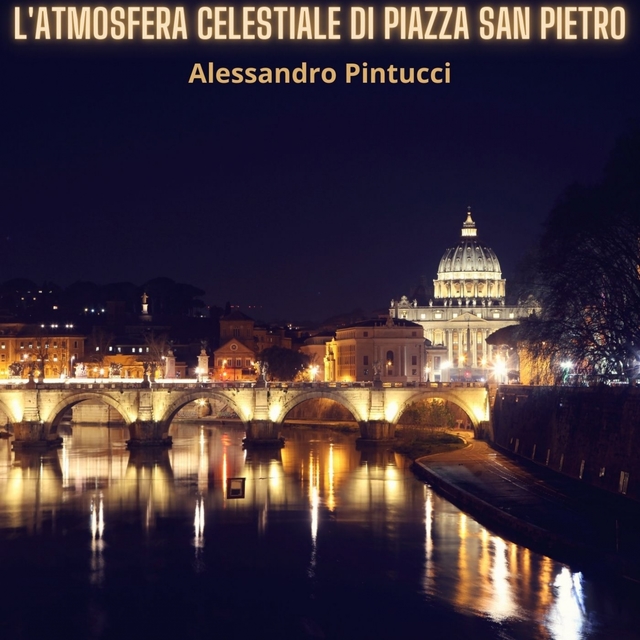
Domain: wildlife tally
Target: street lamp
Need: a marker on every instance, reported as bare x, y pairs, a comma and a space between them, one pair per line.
312, 372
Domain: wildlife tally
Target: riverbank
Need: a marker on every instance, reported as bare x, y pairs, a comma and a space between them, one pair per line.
420, 442
550, 513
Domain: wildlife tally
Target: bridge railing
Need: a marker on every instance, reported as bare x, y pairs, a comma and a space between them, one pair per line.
110, 383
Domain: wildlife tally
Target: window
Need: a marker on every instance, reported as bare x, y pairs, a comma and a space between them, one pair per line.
414, 360
365, 334
239, 363
389, 358
75, 344
365, 360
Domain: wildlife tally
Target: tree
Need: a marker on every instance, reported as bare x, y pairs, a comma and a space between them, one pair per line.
98, 345
157, 349
428, 413
283, 364
586, 275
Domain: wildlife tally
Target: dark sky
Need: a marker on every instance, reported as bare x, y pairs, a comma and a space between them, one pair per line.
307, 200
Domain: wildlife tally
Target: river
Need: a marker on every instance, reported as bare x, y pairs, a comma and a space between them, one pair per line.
317, 540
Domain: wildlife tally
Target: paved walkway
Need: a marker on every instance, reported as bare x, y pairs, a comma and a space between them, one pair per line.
551, 513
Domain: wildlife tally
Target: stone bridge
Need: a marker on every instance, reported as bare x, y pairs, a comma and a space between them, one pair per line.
34, 410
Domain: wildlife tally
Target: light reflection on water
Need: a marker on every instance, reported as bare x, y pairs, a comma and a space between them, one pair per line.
369, 523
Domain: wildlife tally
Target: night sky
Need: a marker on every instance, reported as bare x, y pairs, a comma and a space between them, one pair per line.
306, 200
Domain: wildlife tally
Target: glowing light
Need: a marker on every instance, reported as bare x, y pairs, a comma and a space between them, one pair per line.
391, 411
502, 605
274, 411
198, 523
567, 616
97, 543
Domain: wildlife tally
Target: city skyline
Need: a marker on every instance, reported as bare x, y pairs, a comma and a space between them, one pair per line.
303, 200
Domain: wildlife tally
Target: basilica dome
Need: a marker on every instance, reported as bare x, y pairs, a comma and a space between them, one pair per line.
470, 269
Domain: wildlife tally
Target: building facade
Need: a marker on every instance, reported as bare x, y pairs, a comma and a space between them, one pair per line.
468, 305
50, 350
241, 341
391, 351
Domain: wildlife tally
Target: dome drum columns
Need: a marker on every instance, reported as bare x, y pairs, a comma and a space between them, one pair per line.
470, 270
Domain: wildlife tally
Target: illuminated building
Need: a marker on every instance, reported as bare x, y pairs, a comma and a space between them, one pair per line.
241, 340
50, 349
468, 305
315, 349
391, 350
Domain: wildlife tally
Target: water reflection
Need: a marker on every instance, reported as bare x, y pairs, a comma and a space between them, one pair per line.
97, 543
343, 515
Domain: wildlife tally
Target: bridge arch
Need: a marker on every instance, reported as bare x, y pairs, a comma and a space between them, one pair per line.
11, 416
185, 397
299, 398
58, 410
435, 394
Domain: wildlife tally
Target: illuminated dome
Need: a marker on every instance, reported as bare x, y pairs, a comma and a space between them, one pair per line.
470, 269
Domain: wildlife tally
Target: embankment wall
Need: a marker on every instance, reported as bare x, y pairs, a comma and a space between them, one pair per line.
589, 433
